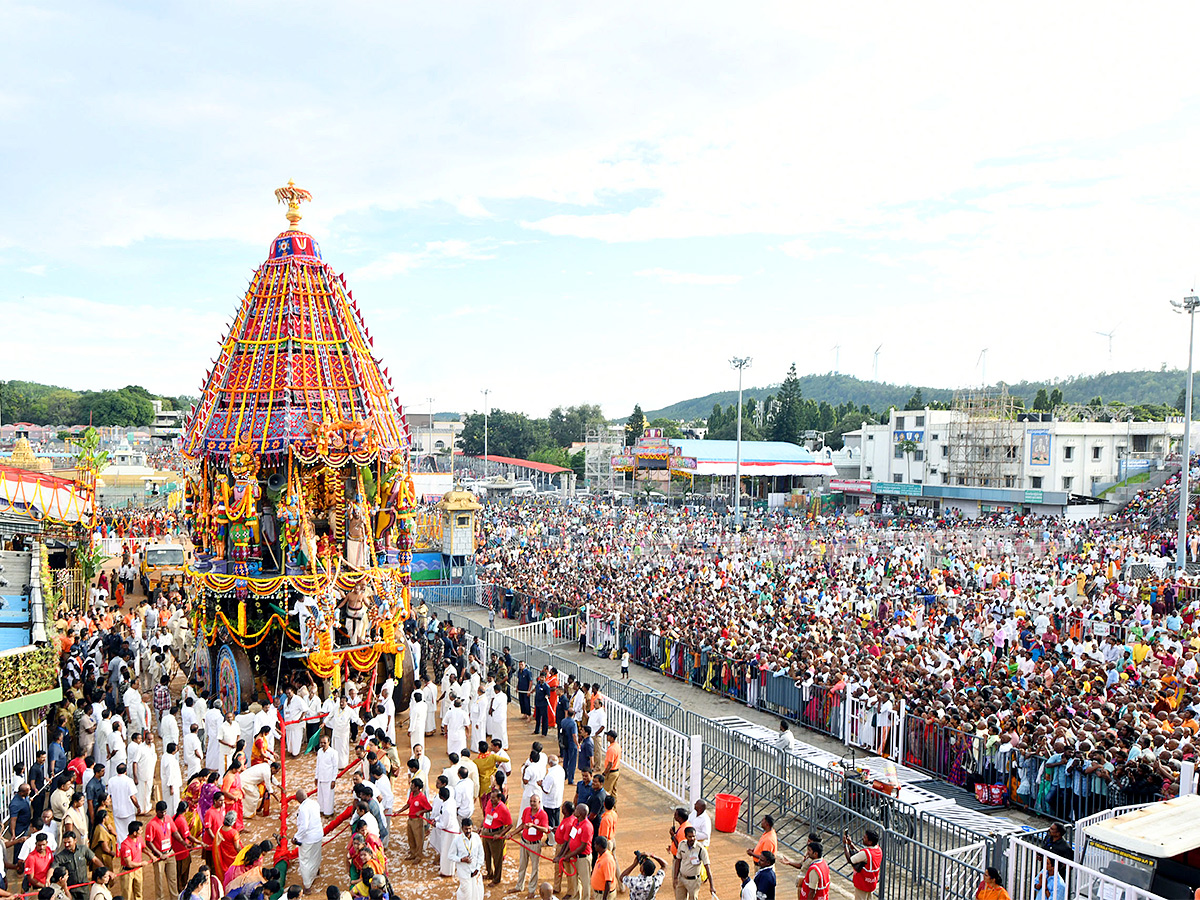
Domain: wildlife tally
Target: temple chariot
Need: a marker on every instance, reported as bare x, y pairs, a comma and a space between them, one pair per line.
299, 500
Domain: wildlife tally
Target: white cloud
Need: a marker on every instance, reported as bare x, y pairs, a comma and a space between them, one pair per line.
434, 253
670, 276
39, 269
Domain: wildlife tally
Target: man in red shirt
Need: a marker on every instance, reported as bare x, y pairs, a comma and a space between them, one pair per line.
579, 850
182, 843
130, 857
497, 820
534, 828
419, 808
39, 862
561, 836
76, 767
159, 839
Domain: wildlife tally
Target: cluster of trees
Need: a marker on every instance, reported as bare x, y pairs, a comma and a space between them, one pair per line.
788, 416
43, 404
542, 440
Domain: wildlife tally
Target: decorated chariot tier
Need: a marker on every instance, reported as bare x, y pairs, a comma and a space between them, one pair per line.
299, 498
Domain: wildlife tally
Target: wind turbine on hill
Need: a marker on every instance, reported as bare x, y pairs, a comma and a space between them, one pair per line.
982, 364
836, 353
876, 375
1108, 334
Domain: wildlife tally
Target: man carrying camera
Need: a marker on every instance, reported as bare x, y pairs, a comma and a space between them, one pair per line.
652, 871
866, 863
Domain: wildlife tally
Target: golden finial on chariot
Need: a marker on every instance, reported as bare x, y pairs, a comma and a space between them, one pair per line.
293, 197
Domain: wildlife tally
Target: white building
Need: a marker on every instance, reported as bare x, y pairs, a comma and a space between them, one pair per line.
1033, 461
168, 423
436, 439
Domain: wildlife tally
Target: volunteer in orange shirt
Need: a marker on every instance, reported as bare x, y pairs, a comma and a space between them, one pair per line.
612, 764
608, 823
604, 872
768, 841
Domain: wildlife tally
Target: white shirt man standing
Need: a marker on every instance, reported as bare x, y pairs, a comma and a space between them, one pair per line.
212, 736
327, 770
466, 850
125, 807
309, 833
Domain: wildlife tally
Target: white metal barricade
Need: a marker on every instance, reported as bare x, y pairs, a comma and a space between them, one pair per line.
24, 750
545, 633
661, 755
1029, 866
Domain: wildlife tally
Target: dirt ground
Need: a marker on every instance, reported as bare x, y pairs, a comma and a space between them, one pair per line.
644, 815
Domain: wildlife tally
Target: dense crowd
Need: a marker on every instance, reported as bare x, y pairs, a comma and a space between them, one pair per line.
1026, 635
151, 788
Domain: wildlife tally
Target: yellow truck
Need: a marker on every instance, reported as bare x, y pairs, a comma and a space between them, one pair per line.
159, 561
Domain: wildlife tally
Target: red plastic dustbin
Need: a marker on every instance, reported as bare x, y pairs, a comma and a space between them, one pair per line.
728, 806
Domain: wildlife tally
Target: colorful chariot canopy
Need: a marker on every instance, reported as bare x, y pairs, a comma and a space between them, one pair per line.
296, 369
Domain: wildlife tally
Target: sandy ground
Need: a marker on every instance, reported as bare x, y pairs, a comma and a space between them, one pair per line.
644, 817
644, 814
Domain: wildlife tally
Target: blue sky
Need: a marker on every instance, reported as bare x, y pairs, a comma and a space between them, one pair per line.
571, 204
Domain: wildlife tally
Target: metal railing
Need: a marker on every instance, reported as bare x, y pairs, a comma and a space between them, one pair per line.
541, 634
1031, 870
659, 754
24, 750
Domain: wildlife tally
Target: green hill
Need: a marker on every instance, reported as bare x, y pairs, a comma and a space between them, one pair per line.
1137, 387
47, 404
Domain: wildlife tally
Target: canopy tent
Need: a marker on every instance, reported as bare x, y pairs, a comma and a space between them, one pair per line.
50, 497
769, 458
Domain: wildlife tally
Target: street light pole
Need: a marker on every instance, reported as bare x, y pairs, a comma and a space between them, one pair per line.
741, 363
1188, 306
485, 392
431, 459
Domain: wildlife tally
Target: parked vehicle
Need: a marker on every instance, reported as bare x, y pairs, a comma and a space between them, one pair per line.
1153, 848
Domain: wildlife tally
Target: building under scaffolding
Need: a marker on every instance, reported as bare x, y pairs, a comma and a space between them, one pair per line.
986, 440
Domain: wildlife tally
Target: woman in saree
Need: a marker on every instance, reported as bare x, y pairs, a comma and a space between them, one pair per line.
208, 790
225, 846
104, 835
232, 788
191, 796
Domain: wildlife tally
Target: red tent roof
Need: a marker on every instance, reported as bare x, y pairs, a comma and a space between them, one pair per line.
548, 468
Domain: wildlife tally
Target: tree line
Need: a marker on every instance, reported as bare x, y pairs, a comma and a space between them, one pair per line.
44, 404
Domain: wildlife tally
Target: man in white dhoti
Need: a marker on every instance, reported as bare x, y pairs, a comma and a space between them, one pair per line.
193, 758
147, 762
479, 711
416, 719
170, 777
327, 770
294, 709
467, 852
228, 735
430, 692
116, 750
168, 727
339, 722
212, 737
498, 718
123, 792
258, 783
456, 728
308, 837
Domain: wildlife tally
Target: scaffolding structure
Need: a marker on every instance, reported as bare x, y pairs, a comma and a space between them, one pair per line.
987, 443
599, 449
